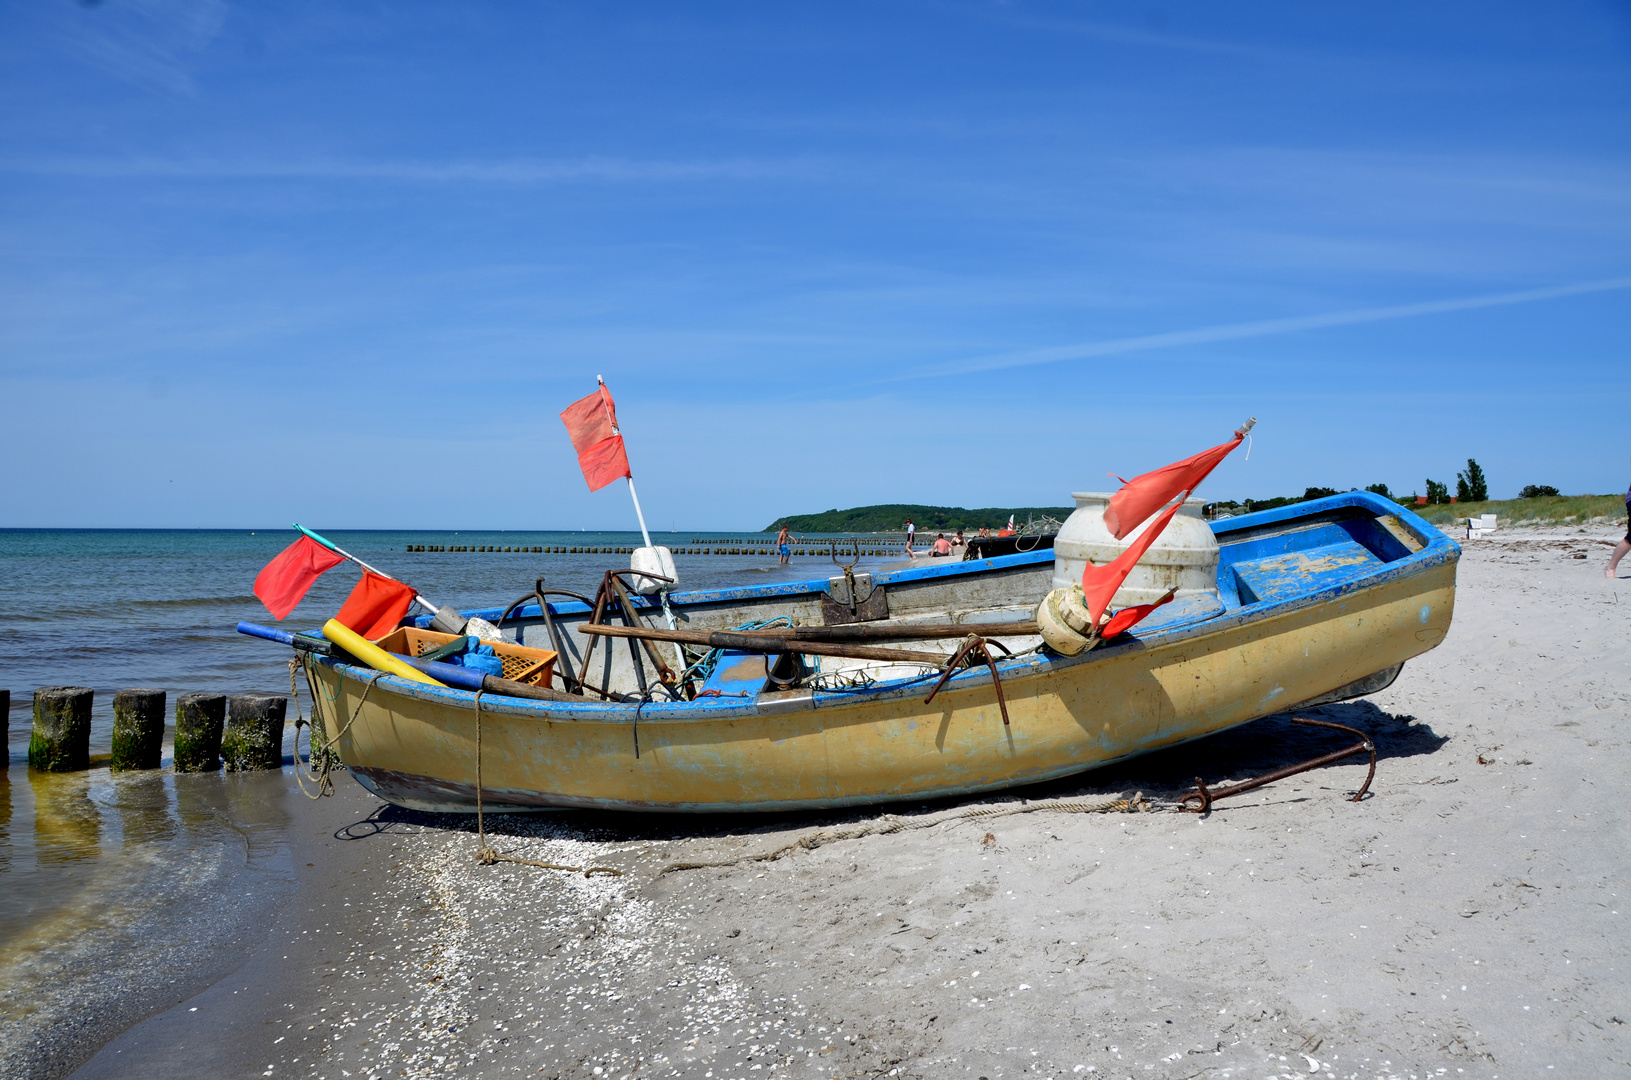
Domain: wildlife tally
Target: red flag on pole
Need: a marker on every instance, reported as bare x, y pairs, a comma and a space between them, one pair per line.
1099, 583
375, 606
1131, 507
592, 424
286, 578
1144, 495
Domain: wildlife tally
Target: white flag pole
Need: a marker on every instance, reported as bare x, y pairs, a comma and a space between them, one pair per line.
611, 419
668, 615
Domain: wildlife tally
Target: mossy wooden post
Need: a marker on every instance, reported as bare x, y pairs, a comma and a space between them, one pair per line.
198, 732
5, 717
254, 734
62, 729
138, 729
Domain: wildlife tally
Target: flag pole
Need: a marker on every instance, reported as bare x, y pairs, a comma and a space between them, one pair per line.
668, 616
638, 513
642, 518
338, 550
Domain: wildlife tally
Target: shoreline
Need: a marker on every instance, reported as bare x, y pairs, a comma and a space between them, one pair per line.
1465, 918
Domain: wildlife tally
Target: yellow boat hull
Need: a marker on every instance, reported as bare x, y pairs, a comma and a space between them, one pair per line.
418, 746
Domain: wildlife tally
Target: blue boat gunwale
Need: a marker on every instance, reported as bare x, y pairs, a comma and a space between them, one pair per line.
1436, 549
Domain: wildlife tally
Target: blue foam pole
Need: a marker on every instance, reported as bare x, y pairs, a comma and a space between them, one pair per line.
267, 632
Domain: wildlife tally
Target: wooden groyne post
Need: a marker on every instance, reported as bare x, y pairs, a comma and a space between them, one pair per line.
138, 729
62, 729
5, 717
199, 718
254, 732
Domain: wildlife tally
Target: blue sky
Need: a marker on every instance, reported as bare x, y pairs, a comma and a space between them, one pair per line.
346, 263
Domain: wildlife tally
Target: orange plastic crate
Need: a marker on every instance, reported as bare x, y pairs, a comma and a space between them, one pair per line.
521, 664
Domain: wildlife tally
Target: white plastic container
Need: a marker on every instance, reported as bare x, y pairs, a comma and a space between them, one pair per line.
1185, 557
653, 560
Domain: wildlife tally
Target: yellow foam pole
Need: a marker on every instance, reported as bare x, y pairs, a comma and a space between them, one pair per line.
365, 650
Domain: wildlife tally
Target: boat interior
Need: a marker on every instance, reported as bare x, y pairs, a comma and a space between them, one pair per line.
1300, 554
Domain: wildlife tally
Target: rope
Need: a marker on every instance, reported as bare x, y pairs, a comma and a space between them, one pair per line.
891, 824
487, 855
326, 757
303, 773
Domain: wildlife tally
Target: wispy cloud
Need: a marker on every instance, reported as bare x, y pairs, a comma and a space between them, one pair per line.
518, 171
151, 42
1264, 328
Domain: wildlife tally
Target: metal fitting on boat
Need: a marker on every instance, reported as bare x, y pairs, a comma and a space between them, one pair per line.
1065, 623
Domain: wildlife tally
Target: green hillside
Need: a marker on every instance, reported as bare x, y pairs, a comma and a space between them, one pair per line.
928, 519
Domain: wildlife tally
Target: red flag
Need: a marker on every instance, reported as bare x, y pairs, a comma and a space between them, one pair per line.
1099, 583
286, 578
1144, 495
375, 606
592, 425
1132, 505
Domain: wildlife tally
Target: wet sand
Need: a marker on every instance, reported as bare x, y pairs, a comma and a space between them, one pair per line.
1464, 921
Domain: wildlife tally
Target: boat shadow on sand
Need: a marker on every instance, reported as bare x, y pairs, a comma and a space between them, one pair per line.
1262, 746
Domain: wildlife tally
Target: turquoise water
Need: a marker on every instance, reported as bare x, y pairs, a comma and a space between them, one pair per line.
92, 863
114, 608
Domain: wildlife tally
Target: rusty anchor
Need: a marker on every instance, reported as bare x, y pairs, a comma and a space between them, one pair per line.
1203, 797
973, 649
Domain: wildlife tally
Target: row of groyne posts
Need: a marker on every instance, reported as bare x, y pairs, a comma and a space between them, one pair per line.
244, 732
869, 547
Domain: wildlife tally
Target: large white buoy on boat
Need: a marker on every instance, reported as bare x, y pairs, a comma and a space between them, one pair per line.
654, 560
1184, 557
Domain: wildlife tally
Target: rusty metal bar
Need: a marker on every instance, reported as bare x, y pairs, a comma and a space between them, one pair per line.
924, 632
760, 642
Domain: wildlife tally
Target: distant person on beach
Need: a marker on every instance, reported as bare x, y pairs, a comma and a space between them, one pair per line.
784, 546
942, 546
985, 532
911, 534
960, 542
1624, 545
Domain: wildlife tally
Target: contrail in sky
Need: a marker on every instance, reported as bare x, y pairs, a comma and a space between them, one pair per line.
1270, 327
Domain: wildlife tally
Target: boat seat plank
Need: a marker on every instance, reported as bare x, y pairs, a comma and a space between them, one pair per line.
1297, 573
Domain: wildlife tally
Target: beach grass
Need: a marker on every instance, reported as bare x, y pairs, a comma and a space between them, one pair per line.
1552, 508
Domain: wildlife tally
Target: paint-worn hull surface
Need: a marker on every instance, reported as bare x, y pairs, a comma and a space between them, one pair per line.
1377, 588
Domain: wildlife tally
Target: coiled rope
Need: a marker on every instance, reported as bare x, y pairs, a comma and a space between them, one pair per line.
892, 824
321, 760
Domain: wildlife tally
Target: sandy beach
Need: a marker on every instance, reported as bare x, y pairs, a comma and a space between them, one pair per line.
1463, 921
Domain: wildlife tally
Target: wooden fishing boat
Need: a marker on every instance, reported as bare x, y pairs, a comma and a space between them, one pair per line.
1315, 602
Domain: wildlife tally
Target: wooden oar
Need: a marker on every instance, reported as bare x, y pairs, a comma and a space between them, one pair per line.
902, 632
760, 642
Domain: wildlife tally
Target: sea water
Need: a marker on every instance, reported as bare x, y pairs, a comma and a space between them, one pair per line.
122, 892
